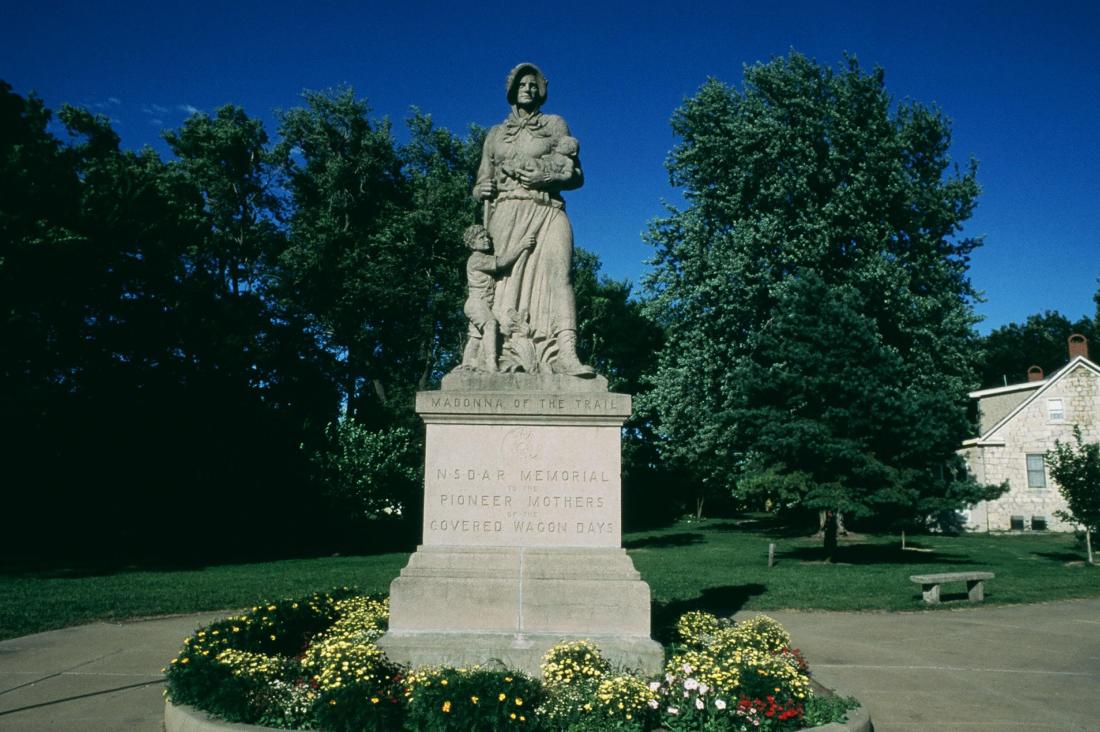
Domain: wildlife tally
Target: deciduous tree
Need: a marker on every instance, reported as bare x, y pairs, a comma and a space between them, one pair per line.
1009, 351
815, 296
1076, 470
375, 249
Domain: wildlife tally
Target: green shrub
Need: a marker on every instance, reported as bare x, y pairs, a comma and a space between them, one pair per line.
249, 668
471, 700
826, 709
314, 663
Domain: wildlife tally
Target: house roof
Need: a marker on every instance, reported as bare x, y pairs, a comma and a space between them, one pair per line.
1040, 388
994, 391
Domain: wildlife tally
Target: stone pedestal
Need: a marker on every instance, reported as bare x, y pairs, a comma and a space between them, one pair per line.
522, 535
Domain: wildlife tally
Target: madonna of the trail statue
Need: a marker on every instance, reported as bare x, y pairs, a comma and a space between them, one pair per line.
522, 524
527, 161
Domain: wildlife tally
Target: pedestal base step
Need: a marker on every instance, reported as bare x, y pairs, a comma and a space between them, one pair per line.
522, 652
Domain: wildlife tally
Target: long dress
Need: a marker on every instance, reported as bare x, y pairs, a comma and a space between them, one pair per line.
538, 285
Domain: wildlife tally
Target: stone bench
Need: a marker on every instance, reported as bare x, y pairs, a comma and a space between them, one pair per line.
930, 584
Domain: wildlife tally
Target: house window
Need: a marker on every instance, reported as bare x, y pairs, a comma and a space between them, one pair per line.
1055, 411
1036, 475
1038, 523
1016, 523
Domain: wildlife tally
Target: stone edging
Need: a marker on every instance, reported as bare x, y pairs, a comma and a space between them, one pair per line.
183, 718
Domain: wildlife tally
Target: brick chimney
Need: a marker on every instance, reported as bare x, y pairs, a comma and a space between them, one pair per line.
1035, 373
1078, 346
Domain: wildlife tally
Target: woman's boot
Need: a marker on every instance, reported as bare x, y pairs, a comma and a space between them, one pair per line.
567, 361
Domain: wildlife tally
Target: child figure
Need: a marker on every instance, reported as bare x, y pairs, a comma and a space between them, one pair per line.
481, 347
562, 156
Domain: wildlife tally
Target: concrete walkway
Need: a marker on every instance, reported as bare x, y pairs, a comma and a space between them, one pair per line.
1034, 667
1026, 667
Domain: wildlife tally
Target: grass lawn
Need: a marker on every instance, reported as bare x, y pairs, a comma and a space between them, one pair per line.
717, 565
722, 566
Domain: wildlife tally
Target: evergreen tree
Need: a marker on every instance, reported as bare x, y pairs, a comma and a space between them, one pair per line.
815, 295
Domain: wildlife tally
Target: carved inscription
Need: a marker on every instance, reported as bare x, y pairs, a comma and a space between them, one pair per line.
538, 404
522, 485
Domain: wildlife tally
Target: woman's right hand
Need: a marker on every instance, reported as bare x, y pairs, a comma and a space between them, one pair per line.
485, 190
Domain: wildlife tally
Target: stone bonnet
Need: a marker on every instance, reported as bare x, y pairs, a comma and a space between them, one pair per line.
517, 73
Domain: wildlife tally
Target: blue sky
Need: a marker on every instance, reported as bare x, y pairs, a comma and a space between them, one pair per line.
1021, 82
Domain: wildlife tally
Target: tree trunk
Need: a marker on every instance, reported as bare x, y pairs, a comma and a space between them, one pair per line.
830, 531
349, 387
1088, 543
699, 507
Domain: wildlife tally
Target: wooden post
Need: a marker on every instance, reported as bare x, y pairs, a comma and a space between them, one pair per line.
771, 555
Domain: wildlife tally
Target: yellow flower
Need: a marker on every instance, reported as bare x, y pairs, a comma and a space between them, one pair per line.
502, 696
473, 699
374, 700
519, 702
447, 707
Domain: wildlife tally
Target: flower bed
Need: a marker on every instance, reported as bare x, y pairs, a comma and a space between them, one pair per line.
313, 664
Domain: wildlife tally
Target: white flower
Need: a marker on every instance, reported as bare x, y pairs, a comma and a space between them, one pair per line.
687, 668
699, 703
654, 685
703, 689
653, 704
719, 704
673, 711
691, 684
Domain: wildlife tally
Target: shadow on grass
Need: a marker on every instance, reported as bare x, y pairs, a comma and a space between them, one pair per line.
374, 538
1063, 556
684, 538
721, 601
769, 526
873, 554
72, 570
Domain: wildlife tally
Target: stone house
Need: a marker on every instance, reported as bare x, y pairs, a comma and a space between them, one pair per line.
1018, 424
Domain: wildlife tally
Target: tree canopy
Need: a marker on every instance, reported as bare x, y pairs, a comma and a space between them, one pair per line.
178, 334
1041, 340
815, 296
233, 337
